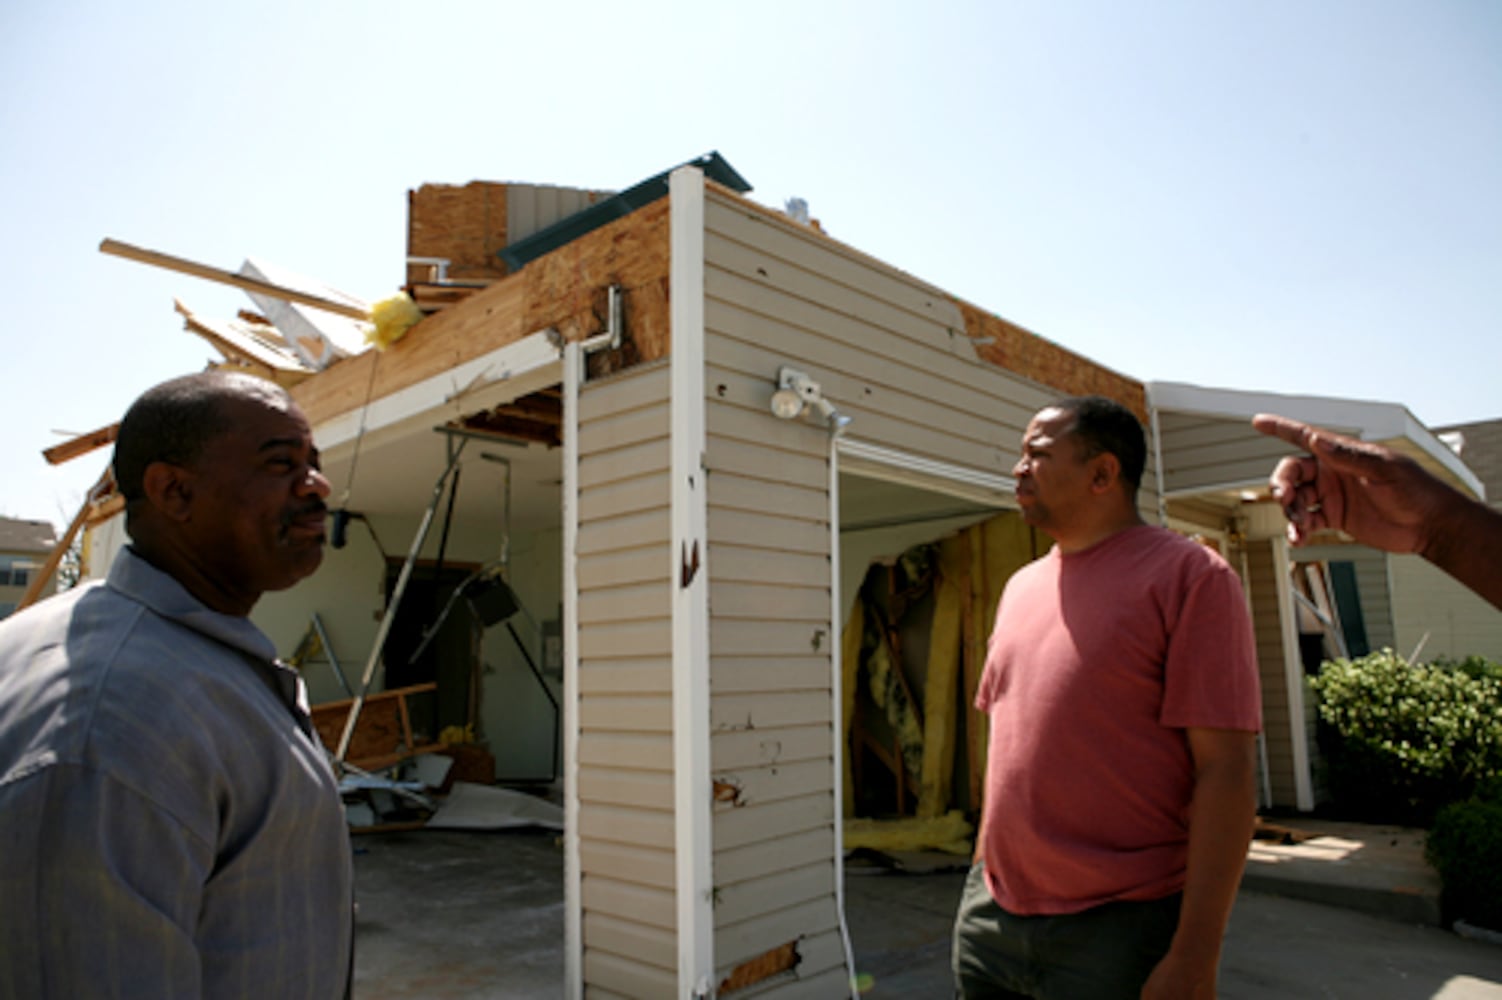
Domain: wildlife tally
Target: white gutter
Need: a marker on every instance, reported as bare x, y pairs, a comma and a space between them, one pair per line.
693, 833
573, 899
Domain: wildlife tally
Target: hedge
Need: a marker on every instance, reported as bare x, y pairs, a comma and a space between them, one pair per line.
1465, 847
1402, 740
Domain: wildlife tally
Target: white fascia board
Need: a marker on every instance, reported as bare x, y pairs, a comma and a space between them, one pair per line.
688, 569
1372, 420
521, 367
1430, 444
1365, 419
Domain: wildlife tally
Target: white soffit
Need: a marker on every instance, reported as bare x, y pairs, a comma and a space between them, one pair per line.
527, 365
1388, 423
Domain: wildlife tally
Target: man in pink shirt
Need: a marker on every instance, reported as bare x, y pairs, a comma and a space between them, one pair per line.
1122, 689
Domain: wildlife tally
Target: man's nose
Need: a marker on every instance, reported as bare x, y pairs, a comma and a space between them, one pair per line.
316, 482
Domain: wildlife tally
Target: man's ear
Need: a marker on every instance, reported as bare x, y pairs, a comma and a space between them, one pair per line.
1105, 472
169, 489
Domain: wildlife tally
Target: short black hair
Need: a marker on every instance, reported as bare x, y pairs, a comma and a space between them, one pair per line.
174, 421
1104, 426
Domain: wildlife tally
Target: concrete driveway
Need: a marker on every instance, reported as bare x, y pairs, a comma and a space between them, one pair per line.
445, 915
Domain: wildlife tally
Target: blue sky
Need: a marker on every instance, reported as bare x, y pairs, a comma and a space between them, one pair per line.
1288, 196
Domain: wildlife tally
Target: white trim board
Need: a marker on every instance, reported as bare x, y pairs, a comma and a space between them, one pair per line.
573, 896
873, 461
694, 831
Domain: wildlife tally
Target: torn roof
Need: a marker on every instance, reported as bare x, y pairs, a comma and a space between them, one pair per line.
316, 336
249, 342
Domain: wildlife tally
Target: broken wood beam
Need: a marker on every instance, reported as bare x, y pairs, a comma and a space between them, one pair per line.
197, 270
81, 445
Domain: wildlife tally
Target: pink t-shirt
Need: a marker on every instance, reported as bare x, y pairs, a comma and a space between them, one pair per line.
1099, 661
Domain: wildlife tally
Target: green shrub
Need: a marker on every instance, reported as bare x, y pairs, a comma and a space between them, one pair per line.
1403, 740
1465, 847
1471, 666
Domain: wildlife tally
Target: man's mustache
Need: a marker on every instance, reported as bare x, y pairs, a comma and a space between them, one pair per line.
309, 508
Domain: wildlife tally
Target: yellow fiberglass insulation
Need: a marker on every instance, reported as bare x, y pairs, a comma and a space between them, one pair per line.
393, 317
949, 833
891, 697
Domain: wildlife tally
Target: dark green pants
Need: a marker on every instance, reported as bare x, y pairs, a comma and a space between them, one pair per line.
1097, 954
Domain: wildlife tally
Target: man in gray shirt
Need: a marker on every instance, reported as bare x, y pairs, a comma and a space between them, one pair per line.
169, 824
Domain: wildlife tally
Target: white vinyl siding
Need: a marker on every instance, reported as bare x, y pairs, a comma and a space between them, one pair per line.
889, 351
1202, 453
893, 354
1430, 607
1277, 724
625, 748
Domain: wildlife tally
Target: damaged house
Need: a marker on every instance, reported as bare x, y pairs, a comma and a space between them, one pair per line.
728, 505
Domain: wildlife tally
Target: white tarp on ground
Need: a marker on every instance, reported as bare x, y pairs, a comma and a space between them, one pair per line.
487, 807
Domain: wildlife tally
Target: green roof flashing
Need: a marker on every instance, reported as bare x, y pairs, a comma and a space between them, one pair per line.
568, 229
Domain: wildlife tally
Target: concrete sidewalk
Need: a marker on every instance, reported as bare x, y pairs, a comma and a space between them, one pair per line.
447, 914
1372, 869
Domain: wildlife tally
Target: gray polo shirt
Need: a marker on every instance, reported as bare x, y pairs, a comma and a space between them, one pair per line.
169, 826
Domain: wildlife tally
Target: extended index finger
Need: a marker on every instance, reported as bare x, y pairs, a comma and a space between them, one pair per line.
1295, 432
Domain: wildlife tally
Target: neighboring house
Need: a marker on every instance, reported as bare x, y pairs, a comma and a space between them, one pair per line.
1320, 601
592, 412
1479, 445
24, 547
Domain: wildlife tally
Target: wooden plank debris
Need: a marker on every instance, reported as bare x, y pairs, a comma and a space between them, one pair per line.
81, 445
256, 347
383, 732
197, 270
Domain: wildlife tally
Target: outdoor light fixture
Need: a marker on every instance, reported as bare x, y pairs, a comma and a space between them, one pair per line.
796, 392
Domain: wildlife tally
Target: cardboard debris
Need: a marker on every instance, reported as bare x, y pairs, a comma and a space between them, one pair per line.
489, 807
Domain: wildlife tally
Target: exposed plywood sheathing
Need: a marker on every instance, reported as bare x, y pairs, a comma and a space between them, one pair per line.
783, 958
567, 291
1009, 346
464, 225
568, 288
467, 226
